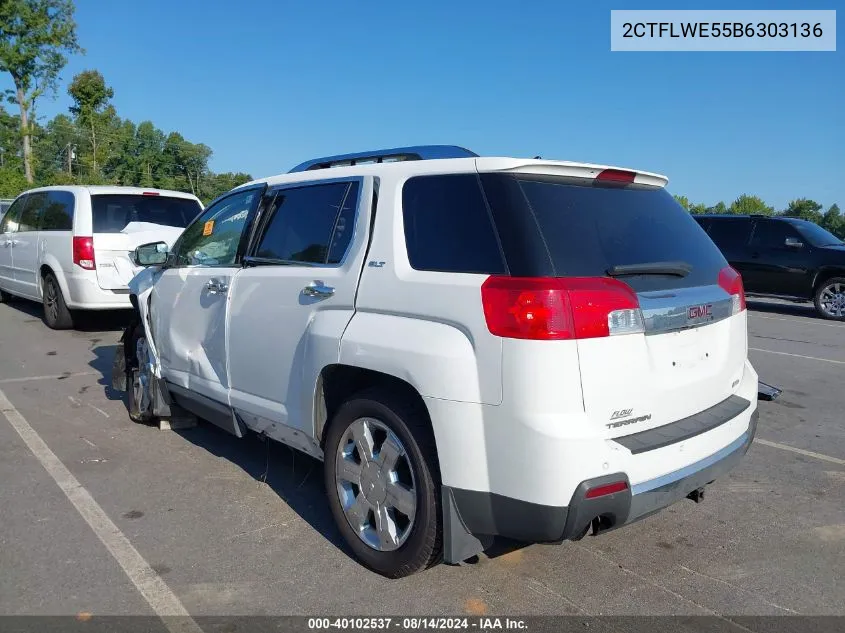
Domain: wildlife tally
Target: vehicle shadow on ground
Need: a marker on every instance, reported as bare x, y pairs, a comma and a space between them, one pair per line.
295, 477
89, 321
102, 363
806, 310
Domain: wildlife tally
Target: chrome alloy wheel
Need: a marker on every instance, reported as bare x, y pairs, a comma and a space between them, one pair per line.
832, 299
375, 483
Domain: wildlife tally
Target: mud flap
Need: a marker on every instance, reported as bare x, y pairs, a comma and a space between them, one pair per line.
458, 543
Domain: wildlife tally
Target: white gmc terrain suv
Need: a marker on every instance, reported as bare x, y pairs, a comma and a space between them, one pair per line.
475, 347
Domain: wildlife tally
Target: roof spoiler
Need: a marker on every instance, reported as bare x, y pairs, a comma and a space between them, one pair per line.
396, 154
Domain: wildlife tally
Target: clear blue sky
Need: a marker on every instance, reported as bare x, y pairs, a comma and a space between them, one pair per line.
268, 84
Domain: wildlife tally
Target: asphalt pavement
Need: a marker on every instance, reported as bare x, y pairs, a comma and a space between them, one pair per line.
102, 516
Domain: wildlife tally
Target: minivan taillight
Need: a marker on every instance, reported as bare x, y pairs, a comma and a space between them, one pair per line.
558, 308
731, 282
83, 252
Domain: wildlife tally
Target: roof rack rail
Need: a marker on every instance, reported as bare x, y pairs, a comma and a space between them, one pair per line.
418, 152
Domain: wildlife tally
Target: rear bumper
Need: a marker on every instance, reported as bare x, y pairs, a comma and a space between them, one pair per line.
487, 514
83, 293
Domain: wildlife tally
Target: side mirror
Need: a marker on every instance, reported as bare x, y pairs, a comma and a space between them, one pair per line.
793, 242
153, 254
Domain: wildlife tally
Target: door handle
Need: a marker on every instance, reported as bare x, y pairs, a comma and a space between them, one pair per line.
215, 286
318, 289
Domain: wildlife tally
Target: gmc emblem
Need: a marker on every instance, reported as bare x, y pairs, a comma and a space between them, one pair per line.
700, 312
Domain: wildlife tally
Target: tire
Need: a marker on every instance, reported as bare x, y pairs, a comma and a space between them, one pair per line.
830, 299
136, 414
5, 297
422, 542
56, 313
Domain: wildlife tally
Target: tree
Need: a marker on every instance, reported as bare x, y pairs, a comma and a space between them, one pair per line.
833, 221
718, 208
683, 201
10, 139
54, 150
12, 182
35, 35
750, 205
93, 112
698, 208
805, 209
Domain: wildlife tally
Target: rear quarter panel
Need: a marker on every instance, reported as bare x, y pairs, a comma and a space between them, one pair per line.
426, 328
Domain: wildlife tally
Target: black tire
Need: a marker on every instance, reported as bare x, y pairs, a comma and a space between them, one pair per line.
56, 313
424, 545
5, 297
818, 297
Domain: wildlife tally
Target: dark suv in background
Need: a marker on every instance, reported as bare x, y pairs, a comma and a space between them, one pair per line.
783, 257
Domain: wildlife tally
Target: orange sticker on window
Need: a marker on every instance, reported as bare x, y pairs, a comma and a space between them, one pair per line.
208, 228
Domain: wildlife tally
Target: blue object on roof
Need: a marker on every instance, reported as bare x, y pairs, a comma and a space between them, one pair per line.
418, 152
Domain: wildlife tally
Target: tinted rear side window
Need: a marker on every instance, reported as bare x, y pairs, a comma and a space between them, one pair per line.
113, 213
587, 230
730, 234
58, 214
448, 226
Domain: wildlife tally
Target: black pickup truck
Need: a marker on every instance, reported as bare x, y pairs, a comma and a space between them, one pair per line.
783, 257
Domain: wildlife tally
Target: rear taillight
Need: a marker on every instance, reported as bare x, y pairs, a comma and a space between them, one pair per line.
558, 308
731, 282
83, 252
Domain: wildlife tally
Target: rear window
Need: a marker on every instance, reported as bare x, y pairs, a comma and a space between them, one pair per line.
113, 213
587, 230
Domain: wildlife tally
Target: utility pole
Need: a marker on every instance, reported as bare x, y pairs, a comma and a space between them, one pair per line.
71, 151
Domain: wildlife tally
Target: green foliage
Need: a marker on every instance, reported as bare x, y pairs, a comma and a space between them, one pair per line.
805, 209
834, 221
750, 205
35, 36
683, 201
719, 208
698, 208
95, 146
12, 182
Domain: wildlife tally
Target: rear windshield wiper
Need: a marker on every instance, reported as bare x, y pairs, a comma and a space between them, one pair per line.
678, 269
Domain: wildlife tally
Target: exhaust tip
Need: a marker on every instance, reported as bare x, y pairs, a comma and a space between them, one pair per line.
696, 495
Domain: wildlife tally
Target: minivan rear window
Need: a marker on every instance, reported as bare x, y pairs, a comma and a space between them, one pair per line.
113, 213
589, 229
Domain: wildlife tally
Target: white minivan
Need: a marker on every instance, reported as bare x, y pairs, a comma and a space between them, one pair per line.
69, 247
